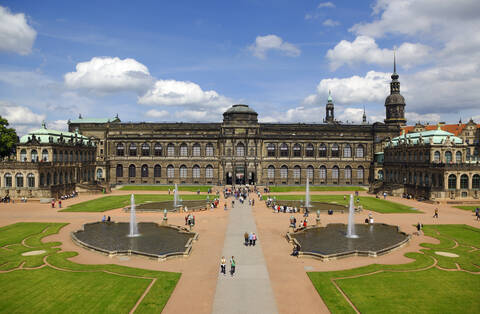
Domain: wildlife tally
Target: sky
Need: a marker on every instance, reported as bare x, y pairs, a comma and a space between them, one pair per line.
189, 61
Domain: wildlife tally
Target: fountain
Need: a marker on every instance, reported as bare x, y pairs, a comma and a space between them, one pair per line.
307, 193
351, 220
175, 196
133, 221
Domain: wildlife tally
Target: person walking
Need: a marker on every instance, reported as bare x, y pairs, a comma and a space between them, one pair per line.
254, 238
59, 203
436, 213
223, 265
245, 235
477, 213
232, 265
250, 239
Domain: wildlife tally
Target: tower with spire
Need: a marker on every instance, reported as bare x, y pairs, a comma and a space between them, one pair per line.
395, 103
329, 116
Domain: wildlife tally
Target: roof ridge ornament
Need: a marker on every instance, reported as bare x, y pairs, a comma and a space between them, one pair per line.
44, 125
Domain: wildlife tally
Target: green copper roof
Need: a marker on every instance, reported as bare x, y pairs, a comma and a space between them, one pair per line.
43, 135
437, 136
329, 99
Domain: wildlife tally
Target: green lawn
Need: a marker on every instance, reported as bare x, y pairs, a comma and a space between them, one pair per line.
117, 201
368, 202
470, 208
413, 286
91, 288
189, 188
279, 189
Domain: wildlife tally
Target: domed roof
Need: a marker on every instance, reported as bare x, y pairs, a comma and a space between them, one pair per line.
240, 108
395, 99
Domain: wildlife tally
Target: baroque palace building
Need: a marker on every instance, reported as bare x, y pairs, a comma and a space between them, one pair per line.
241, 150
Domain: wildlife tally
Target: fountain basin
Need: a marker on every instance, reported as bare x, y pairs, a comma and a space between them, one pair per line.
192, 205
330, 242
155, 241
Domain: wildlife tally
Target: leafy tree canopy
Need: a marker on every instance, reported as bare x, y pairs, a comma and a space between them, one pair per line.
8, 138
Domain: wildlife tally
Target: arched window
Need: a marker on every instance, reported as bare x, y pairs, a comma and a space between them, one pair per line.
34, 155
132, 171
271, 172
322, 150
360, 152
476, 182
436, 156
309, 150
209, 172
335, 173
71, 156
448, 157
360, 171
184, 150
209, 150
60, 178
170, 171
348, 173
42, 179
55, 155
19, 180
427, 180
183, 171
23, 155
170, 150
271, 150
8, 180
144, 171
119, 171
458, 157
380, 175
452, 182
434, 180
335, 151
196, 150
296, 172
157, 148
240, 149
284, 172
322, 173
468, 154
45, 155
196, 172
99, 174
310, 173
297, 150
157, 171
347, 151
464, 181
49, 179
284, 150
132, 149
145, 149
31, 180
120, 149
76, 156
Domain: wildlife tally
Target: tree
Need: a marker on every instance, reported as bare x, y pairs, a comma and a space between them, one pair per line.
8, 138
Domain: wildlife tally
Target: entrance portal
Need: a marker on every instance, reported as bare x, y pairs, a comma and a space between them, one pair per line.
251, 178
229, 178
240, 175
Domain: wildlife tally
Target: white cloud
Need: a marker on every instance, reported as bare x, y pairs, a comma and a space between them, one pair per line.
272, 42
197, 115
365, 49
373, 87
158, 114
330, 23
106, 74
416, 117
58, 125
298, 114
350, 114
326, 5
19, 114
180, 93
15, 33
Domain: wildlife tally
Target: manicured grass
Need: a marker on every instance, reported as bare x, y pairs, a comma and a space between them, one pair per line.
117, 201
470, 208
368, 202
91, 288
414, 286
279, 189
189, 188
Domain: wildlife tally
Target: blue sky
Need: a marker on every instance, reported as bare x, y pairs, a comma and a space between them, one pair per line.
189, 60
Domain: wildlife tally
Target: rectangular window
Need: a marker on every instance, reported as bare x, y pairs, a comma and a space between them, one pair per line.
209, 151
196, 150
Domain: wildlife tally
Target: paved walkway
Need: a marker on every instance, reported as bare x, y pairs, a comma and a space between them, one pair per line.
249, 290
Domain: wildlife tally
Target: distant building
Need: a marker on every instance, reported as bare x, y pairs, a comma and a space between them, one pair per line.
433, 164
48, 163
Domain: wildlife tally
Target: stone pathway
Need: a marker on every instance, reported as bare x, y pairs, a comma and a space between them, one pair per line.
249, 290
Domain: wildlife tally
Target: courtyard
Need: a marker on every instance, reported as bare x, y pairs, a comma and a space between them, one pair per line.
66, 275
